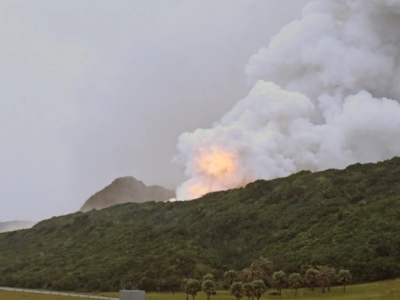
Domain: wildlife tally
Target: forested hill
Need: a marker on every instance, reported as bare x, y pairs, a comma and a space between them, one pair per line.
346, 218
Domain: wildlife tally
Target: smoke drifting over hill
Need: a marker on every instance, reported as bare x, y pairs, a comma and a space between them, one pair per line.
325, 95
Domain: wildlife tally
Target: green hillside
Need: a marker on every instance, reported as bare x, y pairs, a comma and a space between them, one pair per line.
346, 218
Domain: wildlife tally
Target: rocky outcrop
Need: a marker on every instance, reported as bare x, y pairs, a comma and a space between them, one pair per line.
124, 190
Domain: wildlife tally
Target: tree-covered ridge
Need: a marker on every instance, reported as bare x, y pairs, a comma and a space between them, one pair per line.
348, 218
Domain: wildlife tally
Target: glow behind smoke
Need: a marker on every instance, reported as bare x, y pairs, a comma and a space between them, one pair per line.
322, 98
213, 163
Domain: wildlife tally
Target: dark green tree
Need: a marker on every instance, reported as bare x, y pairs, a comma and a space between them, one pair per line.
259, 288
344, 277
208, 277
172, 283
248, 290
323, 276
184, 287
208, 287
264, 264
236, 290
252, 273
279, 280
332, 277
296, 282
193, 286
230, 277
310, 278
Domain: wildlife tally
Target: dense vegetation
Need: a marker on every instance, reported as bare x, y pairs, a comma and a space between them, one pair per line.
349, 219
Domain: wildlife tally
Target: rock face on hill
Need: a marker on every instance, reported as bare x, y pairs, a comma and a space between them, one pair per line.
124, 190
15, 225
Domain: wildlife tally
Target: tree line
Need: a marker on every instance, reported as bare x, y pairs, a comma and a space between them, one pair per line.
262, 269
193, 286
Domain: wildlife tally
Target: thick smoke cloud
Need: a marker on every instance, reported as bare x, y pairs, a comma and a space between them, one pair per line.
325, 95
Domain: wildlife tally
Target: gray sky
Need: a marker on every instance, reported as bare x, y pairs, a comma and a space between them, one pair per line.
93, 90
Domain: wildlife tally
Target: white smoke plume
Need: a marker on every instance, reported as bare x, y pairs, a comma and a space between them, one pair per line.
326, 94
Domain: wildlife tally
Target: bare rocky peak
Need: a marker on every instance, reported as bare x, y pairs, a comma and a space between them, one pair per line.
15, 225
126, 189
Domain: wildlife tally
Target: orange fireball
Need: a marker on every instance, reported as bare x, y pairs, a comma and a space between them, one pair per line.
215, 162
216, 169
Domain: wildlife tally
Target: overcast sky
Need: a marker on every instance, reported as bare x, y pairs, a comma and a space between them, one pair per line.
93, 90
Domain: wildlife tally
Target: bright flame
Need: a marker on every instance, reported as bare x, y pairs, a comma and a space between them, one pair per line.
217, 169
214, 162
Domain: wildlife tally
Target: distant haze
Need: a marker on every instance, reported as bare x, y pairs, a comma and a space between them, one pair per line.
94, 90
15, 225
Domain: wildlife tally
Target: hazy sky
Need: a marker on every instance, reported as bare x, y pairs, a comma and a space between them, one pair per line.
93, 90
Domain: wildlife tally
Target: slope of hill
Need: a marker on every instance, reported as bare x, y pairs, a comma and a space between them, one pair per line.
347, 218
124, 190
15, 225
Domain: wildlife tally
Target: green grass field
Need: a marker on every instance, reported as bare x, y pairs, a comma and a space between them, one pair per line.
386, 290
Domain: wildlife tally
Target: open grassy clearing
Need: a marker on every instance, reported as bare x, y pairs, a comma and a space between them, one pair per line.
5, 295
385, 290
11, 295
